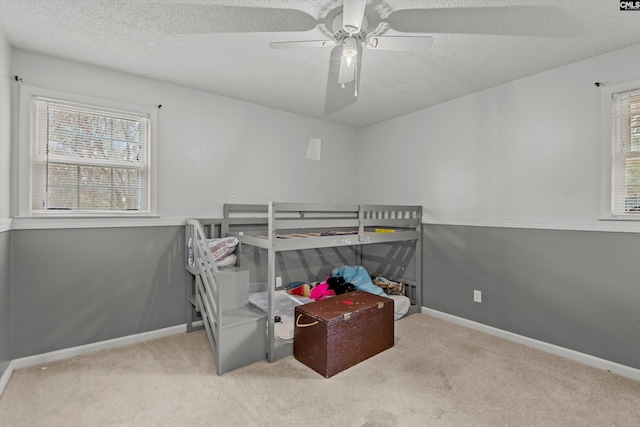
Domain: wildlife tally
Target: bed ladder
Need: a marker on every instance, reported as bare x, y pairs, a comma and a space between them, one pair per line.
235, 328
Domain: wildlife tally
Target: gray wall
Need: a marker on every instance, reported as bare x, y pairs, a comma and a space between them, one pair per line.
5, 301
576, 289
391, 260
295, 266
78, 286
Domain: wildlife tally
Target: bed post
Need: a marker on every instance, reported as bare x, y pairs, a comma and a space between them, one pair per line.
271, 281
419, 286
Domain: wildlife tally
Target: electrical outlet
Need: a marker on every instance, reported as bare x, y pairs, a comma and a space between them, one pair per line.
278, 282
477, 296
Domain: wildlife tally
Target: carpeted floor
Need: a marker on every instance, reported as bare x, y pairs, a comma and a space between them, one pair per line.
437, 374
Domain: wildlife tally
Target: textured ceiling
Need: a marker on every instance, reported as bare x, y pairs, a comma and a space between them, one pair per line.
222, 46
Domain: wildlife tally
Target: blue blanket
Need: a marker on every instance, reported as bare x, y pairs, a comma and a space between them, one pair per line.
359, 277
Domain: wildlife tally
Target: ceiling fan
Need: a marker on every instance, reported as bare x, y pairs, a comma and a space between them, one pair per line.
356, 25
349, 30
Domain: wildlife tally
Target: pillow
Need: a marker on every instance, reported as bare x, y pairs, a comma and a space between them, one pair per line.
223, 247
226, 261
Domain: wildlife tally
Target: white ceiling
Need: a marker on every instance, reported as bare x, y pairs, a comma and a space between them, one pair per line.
222, 46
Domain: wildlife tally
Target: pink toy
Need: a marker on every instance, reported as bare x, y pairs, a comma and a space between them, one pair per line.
321, 291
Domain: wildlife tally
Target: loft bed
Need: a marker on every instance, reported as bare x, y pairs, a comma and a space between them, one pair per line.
275, 228
385, 239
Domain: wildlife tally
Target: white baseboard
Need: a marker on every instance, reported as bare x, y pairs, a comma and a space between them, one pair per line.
577, 356
6, 376
39, 359
5, 224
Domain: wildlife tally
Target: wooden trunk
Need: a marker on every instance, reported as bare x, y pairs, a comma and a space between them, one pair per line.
339, 332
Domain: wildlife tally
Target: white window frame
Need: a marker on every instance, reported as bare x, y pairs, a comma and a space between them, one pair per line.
27, 93
606, 192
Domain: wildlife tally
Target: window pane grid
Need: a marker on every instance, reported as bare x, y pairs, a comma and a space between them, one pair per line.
634, 133
88, 160
90, 188
626, 154
93, 136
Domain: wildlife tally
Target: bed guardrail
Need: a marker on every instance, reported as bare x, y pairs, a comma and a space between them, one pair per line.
236, 330
201, 264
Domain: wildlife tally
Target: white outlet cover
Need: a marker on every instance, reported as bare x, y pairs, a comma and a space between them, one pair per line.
477, 296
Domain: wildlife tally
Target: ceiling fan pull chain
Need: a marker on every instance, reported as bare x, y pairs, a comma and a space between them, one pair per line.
355, 79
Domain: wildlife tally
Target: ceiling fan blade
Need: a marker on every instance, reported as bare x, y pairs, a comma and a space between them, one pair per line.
352, 14
492, 20
347, 69
302, 43
191, 18
340, 96
408, 43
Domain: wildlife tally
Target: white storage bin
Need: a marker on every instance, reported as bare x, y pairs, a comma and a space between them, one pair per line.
283, 306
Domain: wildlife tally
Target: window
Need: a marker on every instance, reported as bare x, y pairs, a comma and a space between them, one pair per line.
625, 153
621, 132
88, 159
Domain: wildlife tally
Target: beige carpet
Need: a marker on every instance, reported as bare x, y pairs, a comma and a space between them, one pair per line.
438, 374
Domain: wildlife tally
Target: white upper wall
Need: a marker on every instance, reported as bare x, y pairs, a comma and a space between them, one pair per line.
212, 147
526, 152
5, 132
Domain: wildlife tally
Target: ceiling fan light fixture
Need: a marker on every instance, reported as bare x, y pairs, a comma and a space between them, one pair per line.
349, 47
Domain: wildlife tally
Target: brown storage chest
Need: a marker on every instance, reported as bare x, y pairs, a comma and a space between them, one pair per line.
336, 333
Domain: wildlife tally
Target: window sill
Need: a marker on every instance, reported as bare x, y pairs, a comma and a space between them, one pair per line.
631, 218
88, 214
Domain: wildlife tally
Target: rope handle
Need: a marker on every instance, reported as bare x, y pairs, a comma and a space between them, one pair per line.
305, 325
